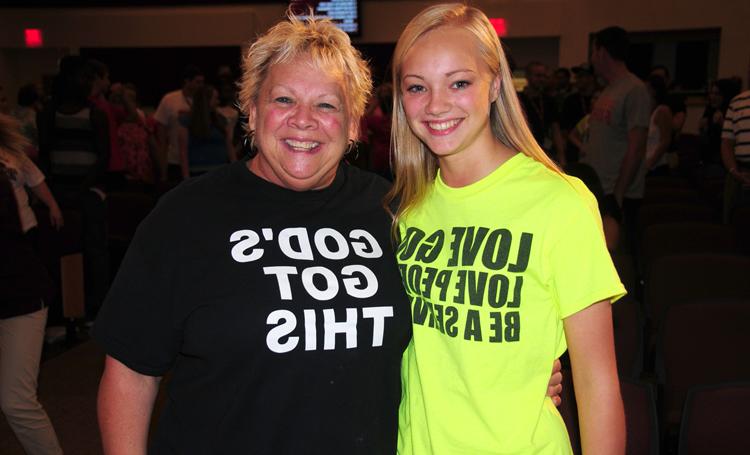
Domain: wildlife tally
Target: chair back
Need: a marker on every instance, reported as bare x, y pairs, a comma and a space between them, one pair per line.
702, 344
661, 240
641, 422
715, 420
687, 278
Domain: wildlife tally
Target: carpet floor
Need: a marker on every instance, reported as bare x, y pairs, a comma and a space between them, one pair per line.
67, 389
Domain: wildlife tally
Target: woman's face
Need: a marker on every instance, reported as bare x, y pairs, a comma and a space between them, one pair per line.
714, 97
446, 91
301, 126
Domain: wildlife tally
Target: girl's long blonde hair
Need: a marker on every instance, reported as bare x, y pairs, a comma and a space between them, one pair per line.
415, 166
12, 141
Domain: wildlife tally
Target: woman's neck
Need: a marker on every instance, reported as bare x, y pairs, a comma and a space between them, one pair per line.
463, 169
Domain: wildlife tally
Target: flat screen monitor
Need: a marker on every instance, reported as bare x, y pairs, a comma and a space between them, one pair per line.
344, 13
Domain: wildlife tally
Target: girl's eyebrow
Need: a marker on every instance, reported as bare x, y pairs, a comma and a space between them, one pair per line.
448, 74
463, 70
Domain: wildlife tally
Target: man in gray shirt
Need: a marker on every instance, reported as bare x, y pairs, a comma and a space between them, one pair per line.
618, 126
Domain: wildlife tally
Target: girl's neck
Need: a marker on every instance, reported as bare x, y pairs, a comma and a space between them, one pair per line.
463, 169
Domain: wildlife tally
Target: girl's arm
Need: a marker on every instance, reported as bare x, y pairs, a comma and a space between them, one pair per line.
664, 123
592, 355
55, 214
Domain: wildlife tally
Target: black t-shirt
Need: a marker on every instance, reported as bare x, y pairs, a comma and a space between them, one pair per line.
281, 315
575, 107
676, 103
541, 113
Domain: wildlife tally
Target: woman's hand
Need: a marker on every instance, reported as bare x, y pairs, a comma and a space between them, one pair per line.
554, 387
56, 217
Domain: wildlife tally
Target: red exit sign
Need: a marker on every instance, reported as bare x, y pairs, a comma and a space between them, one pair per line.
500, 26
33, 37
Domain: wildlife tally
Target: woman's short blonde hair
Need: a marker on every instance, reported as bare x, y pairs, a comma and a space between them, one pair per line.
327, 46
415, 166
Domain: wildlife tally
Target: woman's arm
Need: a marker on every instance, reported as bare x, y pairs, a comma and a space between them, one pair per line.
45, 195
592, 355
664, 123
124, 405
575, 138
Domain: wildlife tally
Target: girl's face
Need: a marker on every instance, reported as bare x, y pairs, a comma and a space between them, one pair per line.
714, 97
446, 93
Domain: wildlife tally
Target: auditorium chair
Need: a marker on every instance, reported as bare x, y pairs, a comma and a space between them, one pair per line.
660, 240
701, 344
642, 429
714, 420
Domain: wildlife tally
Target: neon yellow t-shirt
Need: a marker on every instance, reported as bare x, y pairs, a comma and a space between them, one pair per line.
491, 270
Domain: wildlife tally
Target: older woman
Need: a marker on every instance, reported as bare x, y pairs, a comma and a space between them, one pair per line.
267, 288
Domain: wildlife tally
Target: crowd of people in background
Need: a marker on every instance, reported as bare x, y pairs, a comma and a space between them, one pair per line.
89, 137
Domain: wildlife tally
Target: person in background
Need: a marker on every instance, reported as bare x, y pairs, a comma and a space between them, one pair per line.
172, 106
136, 140
29, 104
562, 87
675, 101
576, 106
659, 129
478, 205
24, 174
377, 128
227, 107
720, 93
100, 88
579, 135
618, 127
25, 289
74, 146
735, 153
541, 112
204, 137
611, 224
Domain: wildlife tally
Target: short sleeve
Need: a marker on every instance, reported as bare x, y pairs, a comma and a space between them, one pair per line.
137, 323
638, 107
162, 113
31, 174
727, 131
581, 269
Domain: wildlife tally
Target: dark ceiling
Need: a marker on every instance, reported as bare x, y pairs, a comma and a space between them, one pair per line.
125, 3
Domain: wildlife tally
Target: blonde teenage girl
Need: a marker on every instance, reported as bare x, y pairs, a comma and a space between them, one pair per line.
502, 255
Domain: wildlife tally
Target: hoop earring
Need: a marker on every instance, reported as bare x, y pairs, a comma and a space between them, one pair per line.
248, 144
352, 145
